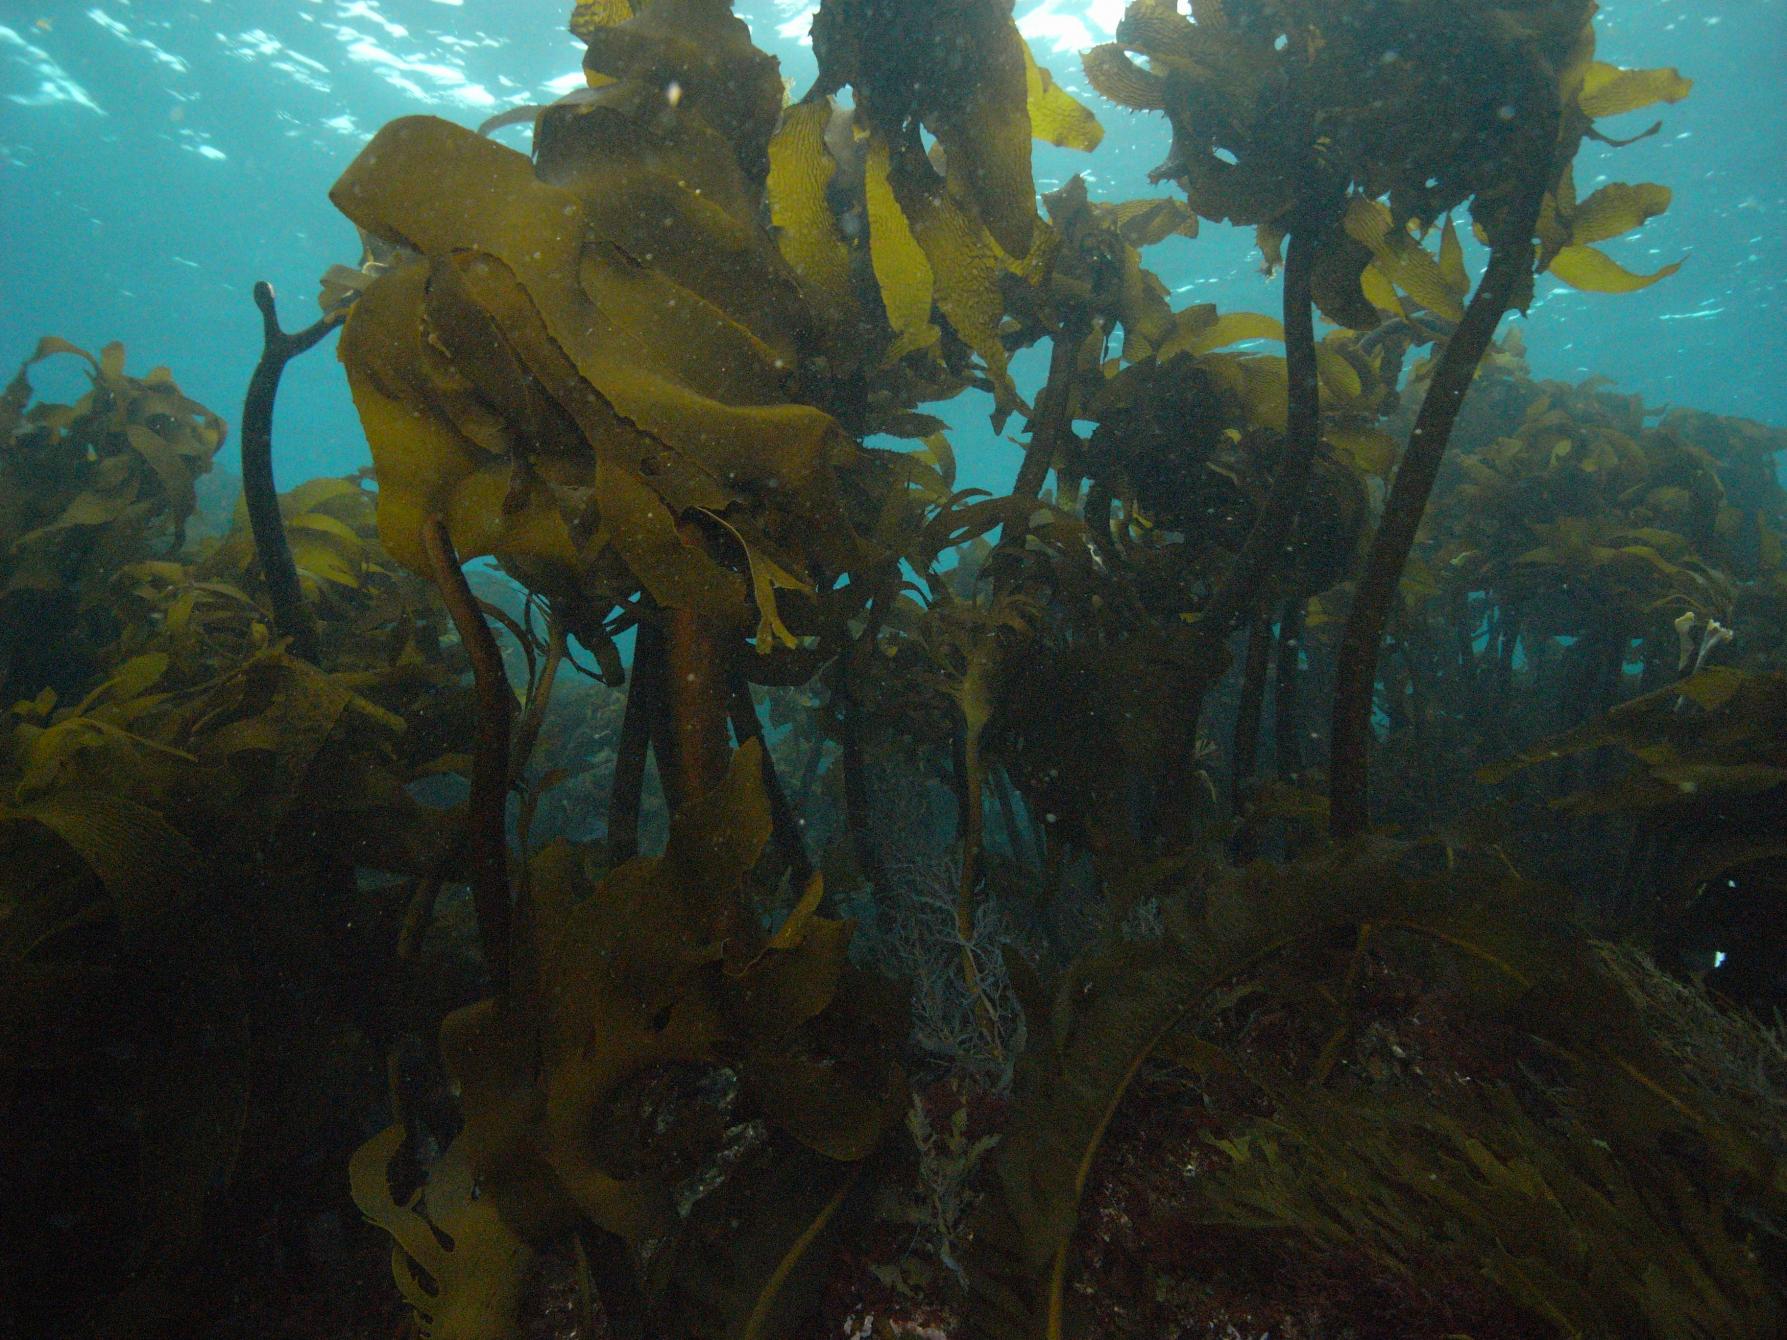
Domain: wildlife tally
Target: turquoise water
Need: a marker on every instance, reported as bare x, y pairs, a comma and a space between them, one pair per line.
158, 157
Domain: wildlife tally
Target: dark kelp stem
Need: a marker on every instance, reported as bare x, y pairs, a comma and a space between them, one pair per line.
1287, 715
785, 824
291, 618
854, 762
486, 807
693, 707
1264, 547
1262, 550
1245, 751
1510, 264
1054, 408
624, 801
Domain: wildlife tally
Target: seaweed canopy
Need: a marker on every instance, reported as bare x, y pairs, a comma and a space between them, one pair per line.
581, 354
85, 488
1363, 117
958, 70
943, 224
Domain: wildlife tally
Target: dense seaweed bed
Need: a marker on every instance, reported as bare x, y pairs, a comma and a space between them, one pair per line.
652, 856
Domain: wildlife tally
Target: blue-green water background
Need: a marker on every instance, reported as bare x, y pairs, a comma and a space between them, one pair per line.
158, 157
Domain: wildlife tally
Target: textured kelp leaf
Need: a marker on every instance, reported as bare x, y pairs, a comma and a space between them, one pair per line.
1397, 1179
800, 168
1347, 288
1451, 259
1056, 117
1127, 1003
427, 466
55, 344
130, 680
1403, 261
1258, 383
1593, 270
103, 480
140, 857
767, 577
589, 15
793, 978
1112, 1012
1651, 727
1339, 378
902, 270
1142, 308
835, 1112
315, 558
1142, 223
633, 369
296, 709
958, 71
716, 838
981, 117
400, 187
168, 463
965, 268
1115, 76
651, 968
939, 453
1198, 330
1608, 90
1370, 451
1615, 209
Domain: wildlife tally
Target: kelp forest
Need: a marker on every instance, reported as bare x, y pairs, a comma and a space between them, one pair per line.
652, 857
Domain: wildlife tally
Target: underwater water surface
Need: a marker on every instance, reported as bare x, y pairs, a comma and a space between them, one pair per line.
895, 670
158, 158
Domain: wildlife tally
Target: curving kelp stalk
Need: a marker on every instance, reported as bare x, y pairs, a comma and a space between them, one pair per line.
291, 617
487, 804
1508, 273
1255, 93
1263, 552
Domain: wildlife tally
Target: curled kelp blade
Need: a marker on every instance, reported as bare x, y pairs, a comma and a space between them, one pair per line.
696, 407
649, 974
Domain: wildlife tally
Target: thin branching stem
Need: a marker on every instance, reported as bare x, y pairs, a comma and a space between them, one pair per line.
291, 618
